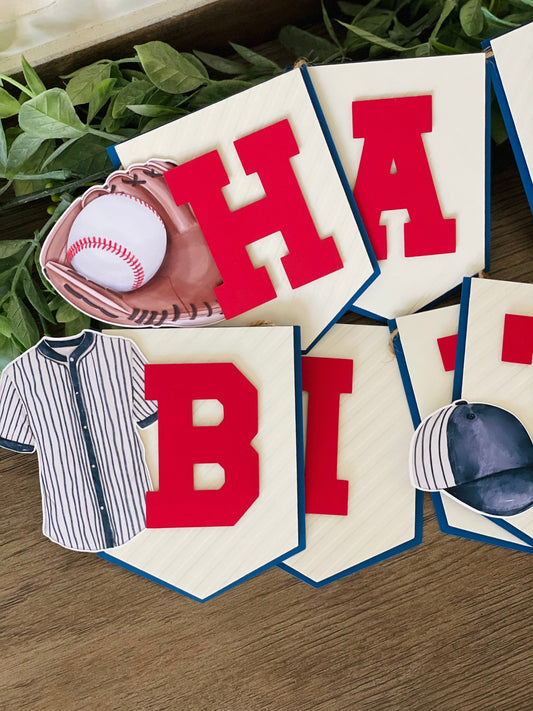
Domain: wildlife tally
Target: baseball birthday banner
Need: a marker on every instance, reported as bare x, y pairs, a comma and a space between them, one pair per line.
245, 212
226, 458
413, 138
425, 344
360, 505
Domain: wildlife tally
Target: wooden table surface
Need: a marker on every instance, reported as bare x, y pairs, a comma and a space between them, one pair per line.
445, 626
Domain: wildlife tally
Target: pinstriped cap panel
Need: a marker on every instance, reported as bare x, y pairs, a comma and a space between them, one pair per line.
429, 463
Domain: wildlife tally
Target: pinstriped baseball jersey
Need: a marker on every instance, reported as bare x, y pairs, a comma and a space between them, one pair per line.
76, 401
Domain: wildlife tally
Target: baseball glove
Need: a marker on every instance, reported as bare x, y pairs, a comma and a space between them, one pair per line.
182, 291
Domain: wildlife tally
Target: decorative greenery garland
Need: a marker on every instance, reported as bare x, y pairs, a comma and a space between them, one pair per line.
57, 147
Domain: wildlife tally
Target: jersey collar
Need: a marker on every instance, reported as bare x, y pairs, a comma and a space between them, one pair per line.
82, 343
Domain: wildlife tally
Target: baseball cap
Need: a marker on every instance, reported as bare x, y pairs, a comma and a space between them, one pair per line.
480, 454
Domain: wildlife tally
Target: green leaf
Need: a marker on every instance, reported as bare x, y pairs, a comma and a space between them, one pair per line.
374, 39
377, 24
22, 148
448, 7
444, 48
33, 81
134, 93
216, 91
6, 275
9, 247
196, 62
50, 175
86, 156
5, 327
329, 26
35, 297
168, 69
58, 151
154, 110
154, 123
81, 87
401, 34
257, 60
8, 351
220, 64
44, 285
3, 148
9, 106
471, 18
520, 18
523, 2
34, 166
496, 21
423, 50
305, 45
51, 115
66, 313
77, 324
133, 75
101, 94
23, 325
55, 302
349, 8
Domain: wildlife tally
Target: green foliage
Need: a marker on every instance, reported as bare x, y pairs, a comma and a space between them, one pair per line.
57, 138
169, 70
51, 115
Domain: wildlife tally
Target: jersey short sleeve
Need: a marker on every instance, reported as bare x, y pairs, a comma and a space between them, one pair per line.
15, 430
144, 411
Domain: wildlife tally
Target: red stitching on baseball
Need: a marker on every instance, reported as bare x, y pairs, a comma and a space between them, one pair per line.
144, 204
112, 247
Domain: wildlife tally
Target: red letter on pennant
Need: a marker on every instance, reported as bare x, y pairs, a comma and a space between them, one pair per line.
324, 379
518, 339
178, 504
200, 181
448, 349
394, 174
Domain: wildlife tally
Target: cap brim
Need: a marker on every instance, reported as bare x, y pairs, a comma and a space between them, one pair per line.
504, 494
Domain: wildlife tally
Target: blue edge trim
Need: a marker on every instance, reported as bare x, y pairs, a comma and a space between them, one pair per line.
418, 530
507, 116
300, 487
16, 446
148, 421
349, 195
113, 156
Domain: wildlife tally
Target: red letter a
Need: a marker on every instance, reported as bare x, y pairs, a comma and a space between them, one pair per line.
394, 174
324, 379
178, 504
283, 209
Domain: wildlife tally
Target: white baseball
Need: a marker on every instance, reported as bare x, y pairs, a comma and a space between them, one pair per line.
117, 241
